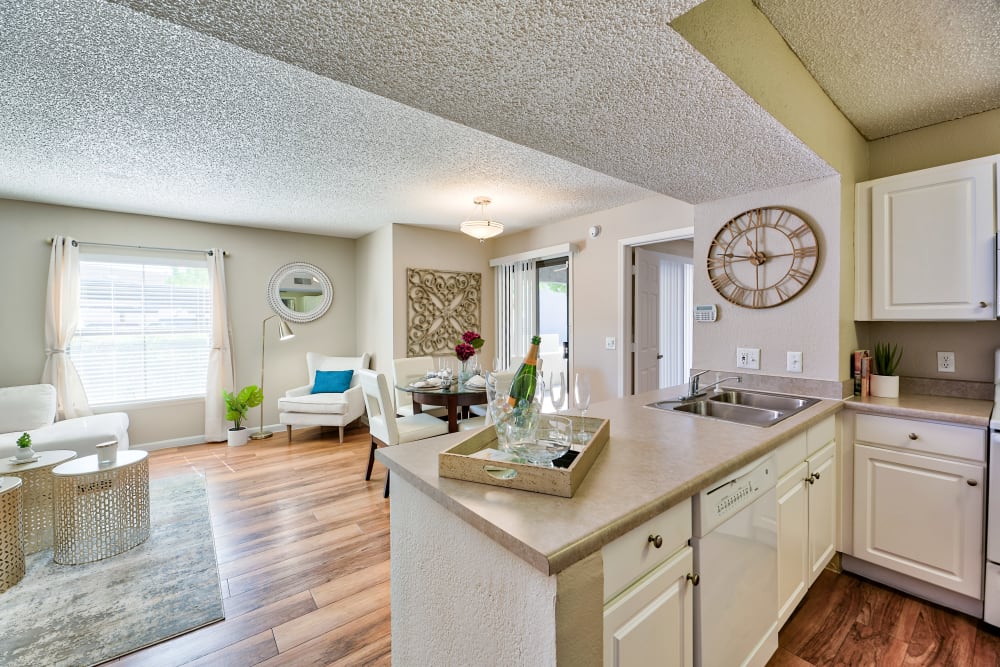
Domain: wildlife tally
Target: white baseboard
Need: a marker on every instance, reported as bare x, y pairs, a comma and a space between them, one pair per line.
194, 439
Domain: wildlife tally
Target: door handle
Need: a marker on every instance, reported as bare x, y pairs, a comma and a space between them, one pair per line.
659, 356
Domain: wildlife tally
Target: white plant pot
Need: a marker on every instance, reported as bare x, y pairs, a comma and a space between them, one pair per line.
24, 453
238, 437
885, 386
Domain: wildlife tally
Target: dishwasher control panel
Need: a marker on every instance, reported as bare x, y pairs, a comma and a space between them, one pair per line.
727, 497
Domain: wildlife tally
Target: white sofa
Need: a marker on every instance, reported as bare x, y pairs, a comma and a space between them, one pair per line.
32, 409
301, 407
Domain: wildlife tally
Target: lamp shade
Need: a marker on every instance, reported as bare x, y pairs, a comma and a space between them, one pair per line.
284, 331
482, 229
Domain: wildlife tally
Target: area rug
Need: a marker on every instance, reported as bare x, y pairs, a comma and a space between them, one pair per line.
86, 614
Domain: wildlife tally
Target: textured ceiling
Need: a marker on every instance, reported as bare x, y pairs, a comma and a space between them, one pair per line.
894, 66
326, 118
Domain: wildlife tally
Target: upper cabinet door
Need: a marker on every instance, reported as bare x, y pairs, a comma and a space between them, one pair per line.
933, 252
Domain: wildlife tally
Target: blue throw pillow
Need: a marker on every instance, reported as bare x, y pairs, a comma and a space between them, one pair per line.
332, 382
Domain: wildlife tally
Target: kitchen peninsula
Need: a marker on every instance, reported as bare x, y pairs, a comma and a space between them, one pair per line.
487, 575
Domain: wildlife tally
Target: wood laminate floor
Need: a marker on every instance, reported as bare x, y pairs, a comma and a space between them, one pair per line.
848, 621
303, 548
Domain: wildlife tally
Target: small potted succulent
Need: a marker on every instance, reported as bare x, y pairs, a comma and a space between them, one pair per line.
24, 450
884, 381
237, 406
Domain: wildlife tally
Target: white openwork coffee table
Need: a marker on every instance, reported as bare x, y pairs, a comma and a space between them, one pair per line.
37, 495
100, 510
11, 536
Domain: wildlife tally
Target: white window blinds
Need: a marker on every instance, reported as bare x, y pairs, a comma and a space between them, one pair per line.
516, 310
145, 326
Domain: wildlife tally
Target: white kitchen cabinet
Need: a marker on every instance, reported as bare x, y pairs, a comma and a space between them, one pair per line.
807, 512
648, 610
925, 244
918, 508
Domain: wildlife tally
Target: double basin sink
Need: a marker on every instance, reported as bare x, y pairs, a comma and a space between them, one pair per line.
742, 407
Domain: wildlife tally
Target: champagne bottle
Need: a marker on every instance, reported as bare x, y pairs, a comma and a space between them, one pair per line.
526, 377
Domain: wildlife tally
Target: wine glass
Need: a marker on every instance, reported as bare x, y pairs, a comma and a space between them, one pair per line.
557, 392
582, 394
551, 441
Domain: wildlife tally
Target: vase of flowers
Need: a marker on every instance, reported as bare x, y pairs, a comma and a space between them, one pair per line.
466, 352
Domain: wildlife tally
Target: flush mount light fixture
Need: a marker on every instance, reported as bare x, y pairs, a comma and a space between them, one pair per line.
484, 228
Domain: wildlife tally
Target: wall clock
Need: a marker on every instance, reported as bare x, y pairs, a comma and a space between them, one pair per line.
763, 257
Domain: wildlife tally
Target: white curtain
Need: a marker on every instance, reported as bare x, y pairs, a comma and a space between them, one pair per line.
517, 312
220, 357
62, 311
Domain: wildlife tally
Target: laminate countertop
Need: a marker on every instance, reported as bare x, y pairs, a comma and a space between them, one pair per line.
653, 460
964, 411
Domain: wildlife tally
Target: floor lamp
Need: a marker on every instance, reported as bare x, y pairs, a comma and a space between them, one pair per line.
284, 333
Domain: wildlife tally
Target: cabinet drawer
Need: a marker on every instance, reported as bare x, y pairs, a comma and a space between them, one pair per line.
822, 434
791, 454
632, 555
920, 436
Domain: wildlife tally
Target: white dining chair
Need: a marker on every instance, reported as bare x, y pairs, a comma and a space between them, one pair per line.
405, 371
386, 429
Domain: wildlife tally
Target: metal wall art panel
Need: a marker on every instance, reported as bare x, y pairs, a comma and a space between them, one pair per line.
440, 306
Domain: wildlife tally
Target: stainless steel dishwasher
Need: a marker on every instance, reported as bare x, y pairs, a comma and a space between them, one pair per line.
736, 556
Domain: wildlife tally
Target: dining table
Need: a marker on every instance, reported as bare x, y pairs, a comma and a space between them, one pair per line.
456, 397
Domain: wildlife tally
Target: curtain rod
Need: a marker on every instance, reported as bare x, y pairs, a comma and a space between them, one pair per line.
49, 240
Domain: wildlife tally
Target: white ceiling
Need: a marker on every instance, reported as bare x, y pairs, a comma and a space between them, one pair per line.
322, 117
894, 66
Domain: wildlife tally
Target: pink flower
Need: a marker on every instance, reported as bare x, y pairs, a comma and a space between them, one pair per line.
470, 336
464, 351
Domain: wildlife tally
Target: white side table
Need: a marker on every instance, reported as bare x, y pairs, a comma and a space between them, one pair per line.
37, 495
11, 535
100, 511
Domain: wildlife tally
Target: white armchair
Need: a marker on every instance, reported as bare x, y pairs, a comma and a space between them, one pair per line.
301, 407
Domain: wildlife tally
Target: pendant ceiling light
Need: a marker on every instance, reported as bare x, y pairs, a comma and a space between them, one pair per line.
484, 228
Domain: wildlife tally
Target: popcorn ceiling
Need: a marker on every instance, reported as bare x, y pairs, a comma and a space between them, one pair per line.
316, 117
894, 66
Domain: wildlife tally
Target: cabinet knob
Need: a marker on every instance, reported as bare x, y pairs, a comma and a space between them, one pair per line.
971, 482
695, 579
983, 304
912, 436
815, 475
656, 540
810, 479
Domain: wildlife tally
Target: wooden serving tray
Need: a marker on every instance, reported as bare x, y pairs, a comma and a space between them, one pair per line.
458, 463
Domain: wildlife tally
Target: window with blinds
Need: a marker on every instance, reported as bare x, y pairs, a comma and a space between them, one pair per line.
145, 327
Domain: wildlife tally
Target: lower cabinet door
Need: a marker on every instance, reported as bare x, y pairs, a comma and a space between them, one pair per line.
822, 509
650, 623
921, 516
793, 532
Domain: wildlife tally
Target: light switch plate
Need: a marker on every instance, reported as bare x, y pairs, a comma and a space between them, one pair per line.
748, 357
610, 343
794, 362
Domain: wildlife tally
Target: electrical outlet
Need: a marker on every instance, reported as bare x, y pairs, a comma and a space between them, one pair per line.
946, 362
748, 357
609, 343
794, 363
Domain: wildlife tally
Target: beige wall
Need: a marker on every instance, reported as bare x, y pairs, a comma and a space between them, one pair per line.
944, 143
741, 42
420, 248
252, 257
595, 291
376, 297
807, 323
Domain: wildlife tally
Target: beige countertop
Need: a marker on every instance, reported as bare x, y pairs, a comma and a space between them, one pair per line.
966, 411
653, 460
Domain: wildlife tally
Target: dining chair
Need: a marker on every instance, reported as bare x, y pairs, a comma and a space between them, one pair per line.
405, 371
386, 429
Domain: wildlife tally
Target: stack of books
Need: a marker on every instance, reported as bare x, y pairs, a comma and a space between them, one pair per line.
861, 371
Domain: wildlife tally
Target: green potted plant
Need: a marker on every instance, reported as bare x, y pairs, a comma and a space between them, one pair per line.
884, 381
237, 407
24, 450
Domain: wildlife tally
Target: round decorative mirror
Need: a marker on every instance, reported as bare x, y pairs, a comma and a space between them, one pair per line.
299, 292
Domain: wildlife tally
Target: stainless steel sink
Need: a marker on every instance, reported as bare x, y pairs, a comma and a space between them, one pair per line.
766, 401
741, 407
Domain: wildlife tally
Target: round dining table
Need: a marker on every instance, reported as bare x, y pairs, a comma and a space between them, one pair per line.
454, 397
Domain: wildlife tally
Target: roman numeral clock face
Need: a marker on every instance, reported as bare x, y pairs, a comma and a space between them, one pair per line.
762, 257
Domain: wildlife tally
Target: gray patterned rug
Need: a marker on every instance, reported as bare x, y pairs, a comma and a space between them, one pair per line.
86, 614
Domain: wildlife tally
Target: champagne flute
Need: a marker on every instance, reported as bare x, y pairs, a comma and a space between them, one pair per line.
557, 392
582, 393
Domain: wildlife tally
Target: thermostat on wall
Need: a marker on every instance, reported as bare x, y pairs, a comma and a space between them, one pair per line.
706, 313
